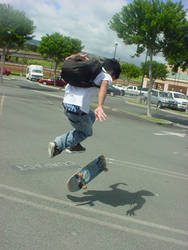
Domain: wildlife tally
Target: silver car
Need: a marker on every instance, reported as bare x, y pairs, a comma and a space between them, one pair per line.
180, 100
161, 99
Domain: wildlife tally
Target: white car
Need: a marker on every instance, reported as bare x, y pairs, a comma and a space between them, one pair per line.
118, 89
121, 87
132, 90
180, 99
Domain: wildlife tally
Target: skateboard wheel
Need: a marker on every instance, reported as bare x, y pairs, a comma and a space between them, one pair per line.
80, 174
84, 187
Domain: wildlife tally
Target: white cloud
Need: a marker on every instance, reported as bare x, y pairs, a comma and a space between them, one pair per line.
85, 20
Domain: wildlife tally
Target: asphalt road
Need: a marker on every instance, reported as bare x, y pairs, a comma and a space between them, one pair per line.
140, 203
126, 103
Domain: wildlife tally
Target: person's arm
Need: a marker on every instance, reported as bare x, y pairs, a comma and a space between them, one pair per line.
99, 112
78, 56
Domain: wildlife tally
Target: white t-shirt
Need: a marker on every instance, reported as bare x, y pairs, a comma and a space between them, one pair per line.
83, 96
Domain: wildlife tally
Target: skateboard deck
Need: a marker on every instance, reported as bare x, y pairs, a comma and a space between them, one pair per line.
83, 176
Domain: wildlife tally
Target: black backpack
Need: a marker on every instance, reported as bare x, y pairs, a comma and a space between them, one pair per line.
81, 73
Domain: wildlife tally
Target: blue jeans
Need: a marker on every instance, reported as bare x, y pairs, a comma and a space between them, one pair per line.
82, 124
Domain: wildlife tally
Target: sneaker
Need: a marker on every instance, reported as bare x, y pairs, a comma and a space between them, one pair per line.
76, 149
53, 149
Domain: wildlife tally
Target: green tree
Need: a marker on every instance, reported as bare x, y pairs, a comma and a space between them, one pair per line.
149, 24
176, 37
30, 47
159, 70
57, 47
15, 30
130, 70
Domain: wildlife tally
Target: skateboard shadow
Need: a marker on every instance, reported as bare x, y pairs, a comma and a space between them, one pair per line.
114, 197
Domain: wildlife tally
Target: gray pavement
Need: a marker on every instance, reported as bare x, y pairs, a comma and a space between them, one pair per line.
127, 104
141, 203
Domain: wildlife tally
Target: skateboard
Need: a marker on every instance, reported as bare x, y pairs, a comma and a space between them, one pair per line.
83, 176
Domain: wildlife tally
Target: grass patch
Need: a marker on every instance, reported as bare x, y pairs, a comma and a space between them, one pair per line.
17, 74
28, 61
153, 119
148, 118
173, 111
138, 79
137, 103
178, 112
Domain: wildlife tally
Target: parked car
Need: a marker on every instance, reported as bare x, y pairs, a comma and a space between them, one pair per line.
114, 91
5, 72
133, 90
180, 99
59, 81
161, 99
121, 87
144, 91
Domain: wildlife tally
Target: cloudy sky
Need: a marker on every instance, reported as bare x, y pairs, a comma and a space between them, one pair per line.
86, 20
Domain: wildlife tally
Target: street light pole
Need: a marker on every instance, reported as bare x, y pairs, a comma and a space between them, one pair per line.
115, 44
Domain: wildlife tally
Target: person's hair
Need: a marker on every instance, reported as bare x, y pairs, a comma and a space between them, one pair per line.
112, 66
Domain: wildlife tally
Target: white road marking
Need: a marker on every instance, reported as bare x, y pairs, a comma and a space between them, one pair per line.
88, 209
1, 104
170, 133
114, 109
48, 94
95, 221
143, 167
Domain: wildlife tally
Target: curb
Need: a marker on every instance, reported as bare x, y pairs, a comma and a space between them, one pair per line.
134, 115
153, 106
166, 111
179, 125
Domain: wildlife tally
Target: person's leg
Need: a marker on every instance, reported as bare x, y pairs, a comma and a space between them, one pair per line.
87, 130
83, 128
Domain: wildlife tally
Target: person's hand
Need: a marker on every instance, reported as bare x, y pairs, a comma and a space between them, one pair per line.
100, 115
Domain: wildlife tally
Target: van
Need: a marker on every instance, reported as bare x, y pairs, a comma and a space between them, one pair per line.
34, 72
180, 99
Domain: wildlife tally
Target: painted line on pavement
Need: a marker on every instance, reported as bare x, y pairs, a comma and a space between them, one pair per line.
95, 221
88, 209
1, 104
40, 92
147, 168
182, 135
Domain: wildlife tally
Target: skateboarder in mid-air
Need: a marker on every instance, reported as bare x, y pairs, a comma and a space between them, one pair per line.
76, 107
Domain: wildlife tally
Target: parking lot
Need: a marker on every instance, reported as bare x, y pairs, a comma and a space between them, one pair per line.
140, 203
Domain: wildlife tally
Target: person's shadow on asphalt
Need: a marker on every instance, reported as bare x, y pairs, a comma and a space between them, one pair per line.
114, 197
